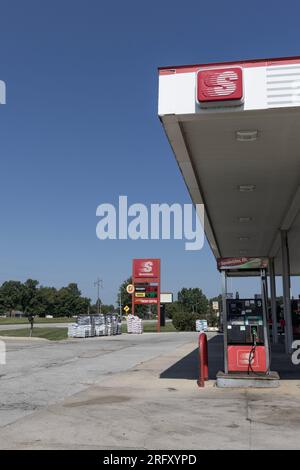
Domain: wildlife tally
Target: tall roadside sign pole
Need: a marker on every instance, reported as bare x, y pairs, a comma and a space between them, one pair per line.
158, 300
146, 281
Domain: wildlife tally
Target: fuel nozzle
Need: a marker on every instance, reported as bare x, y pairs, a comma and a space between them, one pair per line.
254, 334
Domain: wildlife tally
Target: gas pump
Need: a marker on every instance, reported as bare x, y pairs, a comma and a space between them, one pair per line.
245, 321
295, 309
245, 336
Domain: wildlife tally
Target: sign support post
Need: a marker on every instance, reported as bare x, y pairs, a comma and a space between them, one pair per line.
158, 302
146, 281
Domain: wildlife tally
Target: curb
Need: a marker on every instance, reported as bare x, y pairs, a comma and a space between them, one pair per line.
22, 338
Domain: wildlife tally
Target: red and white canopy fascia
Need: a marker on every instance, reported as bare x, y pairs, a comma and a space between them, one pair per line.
212, 143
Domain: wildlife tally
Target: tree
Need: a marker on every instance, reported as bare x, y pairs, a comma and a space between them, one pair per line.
212, 316
185, 321
46, 301
193, 300
11, 296
126, 299
34, 300
173, 308
108, 308
104, 309
69, 301
28, 292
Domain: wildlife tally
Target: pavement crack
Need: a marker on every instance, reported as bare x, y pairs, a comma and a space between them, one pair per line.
248, 418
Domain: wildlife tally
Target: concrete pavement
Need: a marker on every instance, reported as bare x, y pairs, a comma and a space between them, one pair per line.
136, 393
39, 373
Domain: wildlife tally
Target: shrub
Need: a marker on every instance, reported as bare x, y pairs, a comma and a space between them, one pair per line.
185, 321
172, 308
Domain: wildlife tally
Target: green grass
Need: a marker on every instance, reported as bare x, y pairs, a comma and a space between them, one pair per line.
53, 334
24, 321
152, 327
57, 334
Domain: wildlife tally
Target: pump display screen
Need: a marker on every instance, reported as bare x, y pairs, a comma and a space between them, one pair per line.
244, 321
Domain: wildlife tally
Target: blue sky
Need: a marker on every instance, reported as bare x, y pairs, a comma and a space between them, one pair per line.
80, 127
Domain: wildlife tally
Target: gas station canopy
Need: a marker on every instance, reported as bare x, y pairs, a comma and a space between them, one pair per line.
235, 132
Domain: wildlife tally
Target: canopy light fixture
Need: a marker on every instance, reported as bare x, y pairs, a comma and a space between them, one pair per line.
243, 239
243, 252
245, 219
246, 188
246, 135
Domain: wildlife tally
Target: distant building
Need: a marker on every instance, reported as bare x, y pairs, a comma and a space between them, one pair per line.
15, 314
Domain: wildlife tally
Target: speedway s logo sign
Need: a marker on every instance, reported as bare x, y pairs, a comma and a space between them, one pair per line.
146, 268
220, 85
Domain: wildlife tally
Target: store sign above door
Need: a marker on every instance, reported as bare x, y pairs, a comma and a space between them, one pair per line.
242, 263
220, 87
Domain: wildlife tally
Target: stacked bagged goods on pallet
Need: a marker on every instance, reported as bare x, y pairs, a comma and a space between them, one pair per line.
112, 323
100, 325
84, 327
201, 325
130, 323
72, 330
119, 325
134, 324
95, 325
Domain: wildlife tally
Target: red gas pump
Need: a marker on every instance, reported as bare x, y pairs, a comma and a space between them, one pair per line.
245, 321
246, 351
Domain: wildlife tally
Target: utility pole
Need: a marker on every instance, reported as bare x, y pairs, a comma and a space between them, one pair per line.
98, 284
120, 303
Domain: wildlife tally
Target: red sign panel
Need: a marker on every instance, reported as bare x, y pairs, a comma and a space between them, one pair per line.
144, 301
146, 268
239, 358
220, 84
146, 279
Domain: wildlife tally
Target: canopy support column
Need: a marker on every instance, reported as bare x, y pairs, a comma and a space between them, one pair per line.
264, 297
224, 298
273, 301
286, 284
